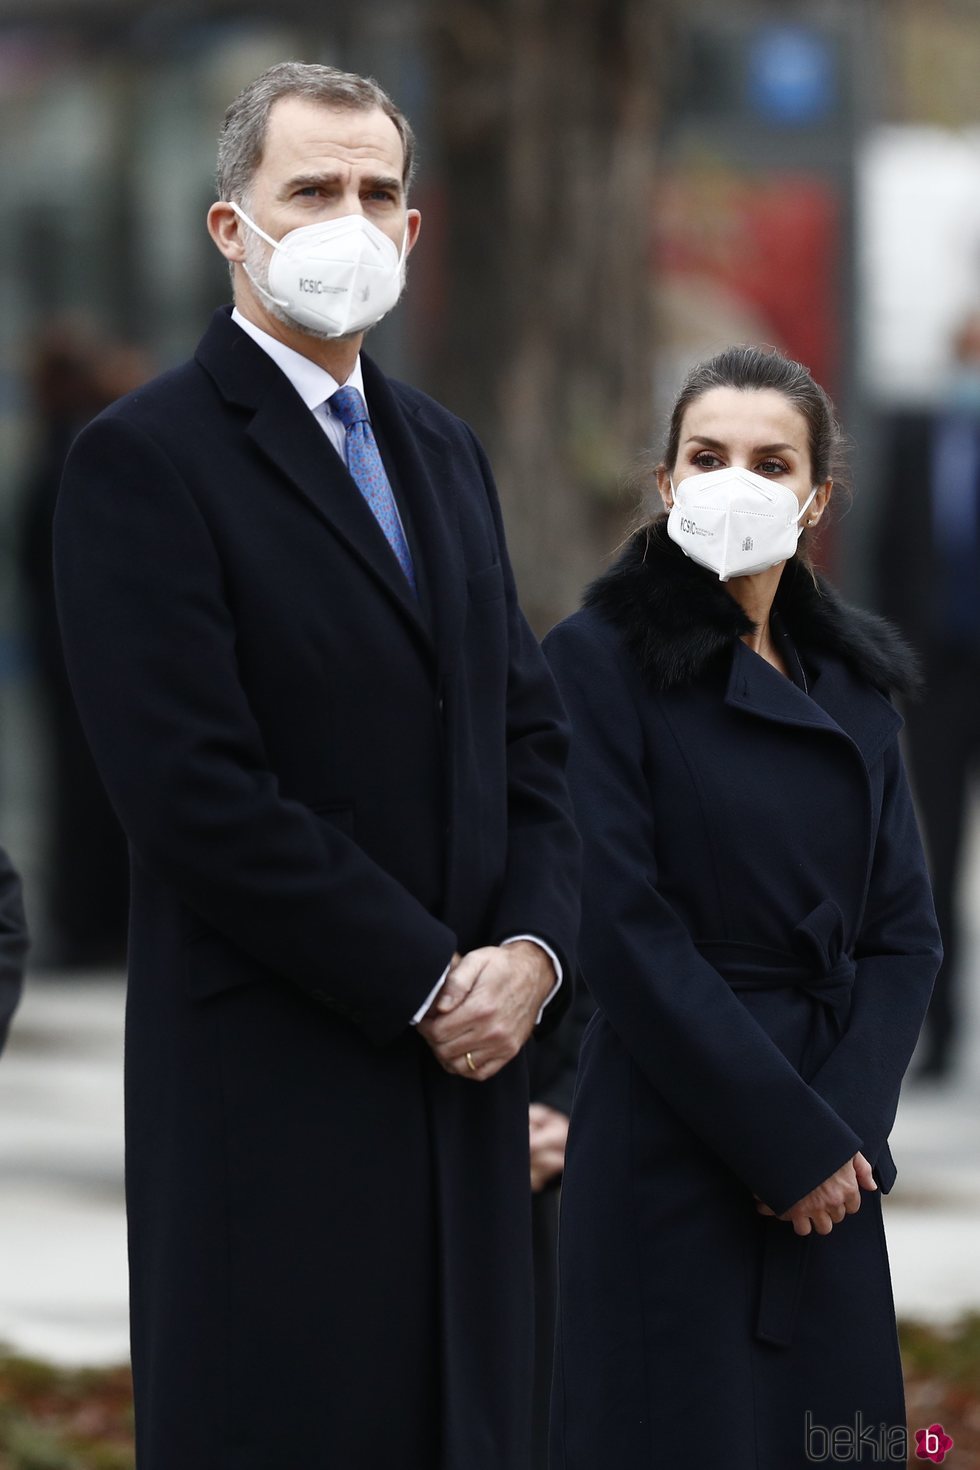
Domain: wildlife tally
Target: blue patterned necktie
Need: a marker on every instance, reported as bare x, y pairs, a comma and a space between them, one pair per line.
368, 473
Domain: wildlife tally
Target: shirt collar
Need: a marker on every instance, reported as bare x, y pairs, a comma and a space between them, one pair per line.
312, 382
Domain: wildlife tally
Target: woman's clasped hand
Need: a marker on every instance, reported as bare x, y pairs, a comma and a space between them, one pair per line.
827, 1205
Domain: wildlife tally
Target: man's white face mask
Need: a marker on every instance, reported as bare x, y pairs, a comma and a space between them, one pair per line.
734, 521
333, 278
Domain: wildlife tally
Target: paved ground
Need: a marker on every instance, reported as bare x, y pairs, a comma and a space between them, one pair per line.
62, 1230
62, 1225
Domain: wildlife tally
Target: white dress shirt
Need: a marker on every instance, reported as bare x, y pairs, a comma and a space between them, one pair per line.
316, 386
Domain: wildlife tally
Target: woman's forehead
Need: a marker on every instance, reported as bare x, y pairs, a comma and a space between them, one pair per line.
756, 415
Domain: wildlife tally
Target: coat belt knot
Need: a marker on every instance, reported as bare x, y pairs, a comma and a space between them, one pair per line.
819, 964
818, 940
816, 962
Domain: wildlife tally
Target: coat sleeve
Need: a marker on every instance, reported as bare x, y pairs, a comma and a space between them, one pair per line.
897, 955
540, 893
554, 1057
150, 641
13, 943
687, 1031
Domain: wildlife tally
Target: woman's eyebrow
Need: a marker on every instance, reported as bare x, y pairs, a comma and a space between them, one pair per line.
759, 448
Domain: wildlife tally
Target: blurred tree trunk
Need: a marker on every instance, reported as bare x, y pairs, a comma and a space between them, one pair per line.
547, 119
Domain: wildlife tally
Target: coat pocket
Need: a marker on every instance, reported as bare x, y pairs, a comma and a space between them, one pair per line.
213, 965
487, 584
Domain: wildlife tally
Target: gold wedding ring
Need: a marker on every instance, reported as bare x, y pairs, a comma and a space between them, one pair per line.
470, 1062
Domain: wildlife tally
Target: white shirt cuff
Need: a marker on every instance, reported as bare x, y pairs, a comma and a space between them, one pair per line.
426, 1005
423, 1008
554, 960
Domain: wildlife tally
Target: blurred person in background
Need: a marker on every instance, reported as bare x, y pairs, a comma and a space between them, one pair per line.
75, 373
338, 754
13, 943
759, 937
928, 570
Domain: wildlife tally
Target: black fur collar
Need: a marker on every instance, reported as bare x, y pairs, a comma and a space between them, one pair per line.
676, 617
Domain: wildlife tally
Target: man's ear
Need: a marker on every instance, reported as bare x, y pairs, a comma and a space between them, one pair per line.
413, 224
227, 231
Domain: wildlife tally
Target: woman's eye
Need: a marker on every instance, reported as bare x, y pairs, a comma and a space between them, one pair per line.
772, 467
705, 460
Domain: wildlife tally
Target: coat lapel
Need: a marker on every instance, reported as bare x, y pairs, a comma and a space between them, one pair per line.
428, 482
864, 714
286, 433
756, 688
837, 701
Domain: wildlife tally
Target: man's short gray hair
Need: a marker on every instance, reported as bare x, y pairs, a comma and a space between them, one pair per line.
243, 132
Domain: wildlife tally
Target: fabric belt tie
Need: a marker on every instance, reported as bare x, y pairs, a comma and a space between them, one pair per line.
819, 965
816, 963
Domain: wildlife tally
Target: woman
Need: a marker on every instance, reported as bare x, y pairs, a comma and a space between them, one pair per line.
759, 936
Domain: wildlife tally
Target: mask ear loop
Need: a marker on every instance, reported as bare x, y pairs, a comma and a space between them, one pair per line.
276, 300
403, 258
803, 510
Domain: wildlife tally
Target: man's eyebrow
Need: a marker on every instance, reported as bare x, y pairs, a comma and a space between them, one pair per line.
309, 181
383, 181
332, 180
759, 448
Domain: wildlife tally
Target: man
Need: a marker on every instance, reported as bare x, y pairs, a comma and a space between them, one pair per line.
929, 583
338, 757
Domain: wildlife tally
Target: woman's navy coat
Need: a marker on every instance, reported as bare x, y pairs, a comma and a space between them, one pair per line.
759, 935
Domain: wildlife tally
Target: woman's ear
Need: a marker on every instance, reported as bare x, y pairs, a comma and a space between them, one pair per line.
663, 485
819, 504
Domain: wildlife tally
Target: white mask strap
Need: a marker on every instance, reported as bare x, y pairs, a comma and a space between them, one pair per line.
806, 505
276, 300
403, 253
253, 226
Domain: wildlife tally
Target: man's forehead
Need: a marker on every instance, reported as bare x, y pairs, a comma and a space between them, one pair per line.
303, 131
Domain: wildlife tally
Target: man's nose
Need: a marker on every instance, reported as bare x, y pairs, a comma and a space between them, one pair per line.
351, 200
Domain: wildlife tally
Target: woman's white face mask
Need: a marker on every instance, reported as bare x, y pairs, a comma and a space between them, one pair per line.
334, 278
734, 521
